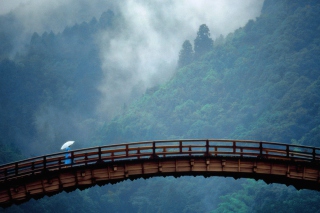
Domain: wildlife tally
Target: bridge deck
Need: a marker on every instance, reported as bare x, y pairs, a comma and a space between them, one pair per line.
48, 175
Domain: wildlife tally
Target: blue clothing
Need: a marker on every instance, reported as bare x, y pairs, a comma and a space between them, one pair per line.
67, 156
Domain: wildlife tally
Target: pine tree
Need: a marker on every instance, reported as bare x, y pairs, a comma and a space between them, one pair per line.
185, 54
203, 43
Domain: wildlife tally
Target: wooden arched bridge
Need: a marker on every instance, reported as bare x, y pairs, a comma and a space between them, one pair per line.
272, 162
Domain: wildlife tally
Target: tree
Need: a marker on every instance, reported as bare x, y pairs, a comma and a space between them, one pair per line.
185, 54
106, 19
203, 43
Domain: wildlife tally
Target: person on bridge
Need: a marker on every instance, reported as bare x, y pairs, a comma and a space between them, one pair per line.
68, 159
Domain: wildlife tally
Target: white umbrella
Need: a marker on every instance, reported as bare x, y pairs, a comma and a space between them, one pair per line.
67, 144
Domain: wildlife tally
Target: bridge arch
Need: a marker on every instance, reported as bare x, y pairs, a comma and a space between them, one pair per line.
272, 162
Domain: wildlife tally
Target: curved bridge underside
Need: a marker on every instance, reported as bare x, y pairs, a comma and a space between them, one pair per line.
48, 175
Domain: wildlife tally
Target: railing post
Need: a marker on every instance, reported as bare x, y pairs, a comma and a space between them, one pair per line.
16, 168
314, 153
5, 174
180, 146
287, 150
127, 150
234, 147
207, 147
260, 148
59, 164
138, 152
99, 154
153, 149
72, 158
32, 168
44, 163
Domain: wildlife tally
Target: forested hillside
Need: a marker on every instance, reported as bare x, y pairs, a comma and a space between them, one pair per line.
49, 91
260, 82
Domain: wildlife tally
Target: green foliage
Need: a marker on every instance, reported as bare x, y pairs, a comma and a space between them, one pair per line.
253, 86
203, 43
186, 54
256, 196
261, 83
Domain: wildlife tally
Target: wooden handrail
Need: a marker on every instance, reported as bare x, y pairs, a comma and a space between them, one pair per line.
161, 148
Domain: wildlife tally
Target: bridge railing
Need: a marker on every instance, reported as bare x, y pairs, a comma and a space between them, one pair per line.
160, 149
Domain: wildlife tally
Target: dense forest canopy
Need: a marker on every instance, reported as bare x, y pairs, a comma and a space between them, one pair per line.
260, 82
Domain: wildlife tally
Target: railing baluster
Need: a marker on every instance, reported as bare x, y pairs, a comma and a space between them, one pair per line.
138, 152
86, 158
59, 164
5, 174
44, 163
32, 168
127, 150
16, 168
72, 158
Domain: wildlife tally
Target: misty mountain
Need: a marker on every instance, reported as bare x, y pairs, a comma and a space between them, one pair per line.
50, 90
67, 73
260, 82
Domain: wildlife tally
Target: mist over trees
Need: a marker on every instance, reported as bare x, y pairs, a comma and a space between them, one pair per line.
203, 43
260, 82
257, 83
50, 91
186, 54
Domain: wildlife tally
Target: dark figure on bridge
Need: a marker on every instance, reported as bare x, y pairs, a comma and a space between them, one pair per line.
68, 159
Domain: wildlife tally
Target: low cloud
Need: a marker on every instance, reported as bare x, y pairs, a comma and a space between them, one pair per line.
146, 51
